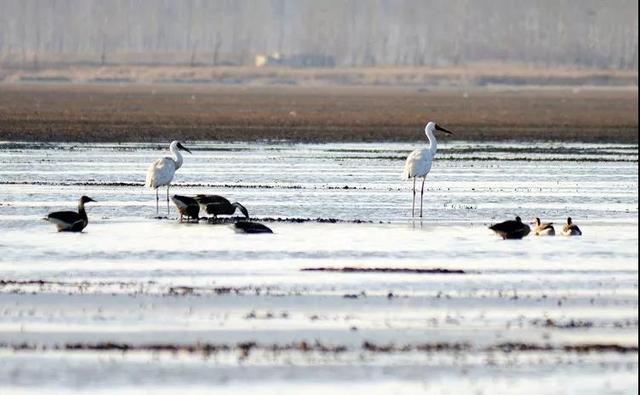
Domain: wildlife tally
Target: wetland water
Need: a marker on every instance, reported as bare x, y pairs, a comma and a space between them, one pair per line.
138, 303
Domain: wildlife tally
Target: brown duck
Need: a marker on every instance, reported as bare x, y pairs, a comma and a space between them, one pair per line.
571, 229
543, 229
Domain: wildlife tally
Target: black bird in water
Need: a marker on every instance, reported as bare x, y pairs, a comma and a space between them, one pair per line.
511, 229
571, 229
217, 205
70, 221
250, 227
187, 206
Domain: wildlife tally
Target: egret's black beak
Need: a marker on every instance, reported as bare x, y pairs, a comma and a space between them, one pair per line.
182, 147
440, 128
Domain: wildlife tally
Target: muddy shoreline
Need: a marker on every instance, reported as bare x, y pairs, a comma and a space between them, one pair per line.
246, 348
157, 113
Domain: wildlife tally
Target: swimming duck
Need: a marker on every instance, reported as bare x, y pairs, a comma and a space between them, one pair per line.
187, 206
250, 227
70, 221
218, 205
511, 229
571, 229
543, 229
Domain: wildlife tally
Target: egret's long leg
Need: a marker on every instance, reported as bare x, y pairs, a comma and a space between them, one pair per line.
168, 200
413, 203
157, 203
422, 195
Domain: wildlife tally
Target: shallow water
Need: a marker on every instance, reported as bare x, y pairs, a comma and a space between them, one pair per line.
133, 280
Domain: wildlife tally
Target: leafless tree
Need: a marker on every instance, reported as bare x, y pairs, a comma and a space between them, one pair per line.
583, 33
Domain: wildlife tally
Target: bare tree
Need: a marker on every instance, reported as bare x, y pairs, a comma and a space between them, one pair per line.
586, 33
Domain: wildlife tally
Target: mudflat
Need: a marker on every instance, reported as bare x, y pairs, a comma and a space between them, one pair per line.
157, 112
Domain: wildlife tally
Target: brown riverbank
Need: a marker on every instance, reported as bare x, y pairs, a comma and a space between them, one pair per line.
152, 112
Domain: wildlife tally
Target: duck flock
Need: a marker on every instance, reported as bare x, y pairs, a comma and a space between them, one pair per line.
161, 173
516, 229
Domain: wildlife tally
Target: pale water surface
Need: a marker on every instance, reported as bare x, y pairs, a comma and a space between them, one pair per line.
524, 317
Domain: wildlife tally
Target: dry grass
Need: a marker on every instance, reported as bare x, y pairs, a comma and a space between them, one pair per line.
474, 75
76, 112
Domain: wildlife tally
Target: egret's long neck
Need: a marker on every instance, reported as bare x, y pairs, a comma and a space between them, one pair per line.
433, 144
177, 155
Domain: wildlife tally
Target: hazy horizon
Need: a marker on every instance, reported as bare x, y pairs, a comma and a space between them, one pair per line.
350, 33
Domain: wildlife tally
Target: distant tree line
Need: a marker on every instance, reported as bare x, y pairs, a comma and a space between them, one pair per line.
584, 33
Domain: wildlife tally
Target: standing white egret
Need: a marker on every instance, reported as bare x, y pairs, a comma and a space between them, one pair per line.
161, 172
419, 162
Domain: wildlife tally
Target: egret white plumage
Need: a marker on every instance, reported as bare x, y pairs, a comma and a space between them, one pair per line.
161, 172
419, 161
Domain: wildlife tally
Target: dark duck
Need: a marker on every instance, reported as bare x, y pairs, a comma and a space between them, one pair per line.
571, 229
511, 229
218, 205
187, 207
250, 227
71, 221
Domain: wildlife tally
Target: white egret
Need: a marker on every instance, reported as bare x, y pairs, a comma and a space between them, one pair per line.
571, 229
70, 221
161, 172
543, 229
419, 161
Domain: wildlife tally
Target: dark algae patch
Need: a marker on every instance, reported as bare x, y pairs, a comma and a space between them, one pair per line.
520, 159
294, 220
246, 348
383, 270
183, 185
